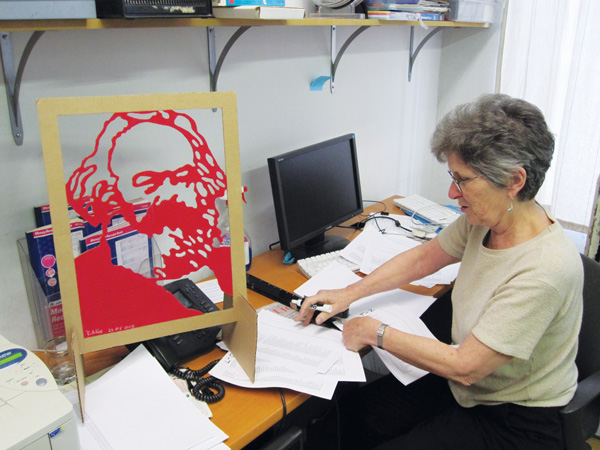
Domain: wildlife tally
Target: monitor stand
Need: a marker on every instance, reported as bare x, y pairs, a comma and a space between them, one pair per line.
319, 245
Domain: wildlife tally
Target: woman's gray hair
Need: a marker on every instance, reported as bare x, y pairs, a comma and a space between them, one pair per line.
495, 135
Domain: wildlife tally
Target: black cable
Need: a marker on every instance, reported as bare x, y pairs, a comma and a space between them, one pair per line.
361, 224
208, 389
396, 222
283, 403
377, 201
284, 416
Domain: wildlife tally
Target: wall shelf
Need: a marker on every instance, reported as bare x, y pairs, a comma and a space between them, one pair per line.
12, 76
101, 24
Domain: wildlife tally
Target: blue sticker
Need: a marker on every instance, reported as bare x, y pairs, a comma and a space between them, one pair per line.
288, 259
317, 84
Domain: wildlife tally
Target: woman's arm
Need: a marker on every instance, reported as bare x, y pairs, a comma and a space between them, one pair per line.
408, 266
466, 364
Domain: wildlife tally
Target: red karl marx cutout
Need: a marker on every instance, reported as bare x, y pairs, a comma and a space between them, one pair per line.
112, 297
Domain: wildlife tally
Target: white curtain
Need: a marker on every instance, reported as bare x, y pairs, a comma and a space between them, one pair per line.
551, 57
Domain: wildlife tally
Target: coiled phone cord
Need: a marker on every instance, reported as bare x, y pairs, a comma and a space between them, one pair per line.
208, 389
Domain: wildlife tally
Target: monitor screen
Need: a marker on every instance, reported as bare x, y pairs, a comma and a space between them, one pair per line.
314, 189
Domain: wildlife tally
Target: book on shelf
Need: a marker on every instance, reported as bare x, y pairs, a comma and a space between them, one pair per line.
404, 15
222, 3
258, 12
423, 6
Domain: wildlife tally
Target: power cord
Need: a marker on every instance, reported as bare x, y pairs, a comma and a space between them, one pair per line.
282, 422
208, 389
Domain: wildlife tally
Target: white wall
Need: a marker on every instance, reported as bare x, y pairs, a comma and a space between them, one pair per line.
270, 68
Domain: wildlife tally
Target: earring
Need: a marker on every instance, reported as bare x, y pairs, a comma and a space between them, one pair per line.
509, 210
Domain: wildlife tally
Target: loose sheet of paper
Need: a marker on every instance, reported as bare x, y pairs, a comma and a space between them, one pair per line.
338, 276
334, 276
398, 308
382, 248
404, 372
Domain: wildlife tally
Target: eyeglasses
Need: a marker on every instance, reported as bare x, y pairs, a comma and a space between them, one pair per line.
458, 182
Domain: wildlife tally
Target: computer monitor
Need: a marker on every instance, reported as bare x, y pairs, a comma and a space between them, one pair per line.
315, 188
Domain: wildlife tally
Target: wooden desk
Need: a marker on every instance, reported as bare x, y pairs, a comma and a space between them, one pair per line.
245, 414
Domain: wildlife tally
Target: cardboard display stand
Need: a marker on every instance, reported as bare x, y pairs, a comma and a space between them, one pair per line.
238, 317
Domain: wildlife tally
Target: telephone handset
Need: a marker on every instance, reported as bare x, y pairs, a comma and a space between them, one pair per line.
169, 350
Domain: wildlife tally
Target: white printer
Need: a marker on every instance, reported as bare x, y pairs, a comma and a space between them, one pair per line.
34, 414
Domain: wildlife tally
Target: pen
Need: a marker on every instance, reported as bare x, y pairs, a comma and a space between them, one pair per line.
316, 306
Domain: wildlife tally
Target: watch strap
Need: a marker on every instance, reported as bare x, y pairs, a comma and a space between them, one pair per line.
380, 332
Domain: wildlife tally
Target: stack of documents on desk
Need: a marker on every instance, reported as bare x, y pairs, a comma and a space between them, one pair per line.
381, 240
311, 359
398, 308
136, 405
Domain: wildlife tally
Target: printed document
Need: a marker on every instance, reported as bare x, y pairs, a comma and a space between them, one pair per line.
311, 359
398, 308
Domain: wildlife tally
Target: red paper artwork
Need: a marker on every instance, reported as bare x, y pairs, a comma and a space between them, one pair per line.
181, 205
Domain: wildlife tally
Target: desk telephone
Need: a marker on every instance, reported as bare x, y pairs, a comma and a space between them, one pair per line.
169, 350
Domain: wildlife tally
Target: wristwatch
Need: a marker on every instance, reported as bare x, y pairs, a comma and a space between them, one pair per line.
380, 332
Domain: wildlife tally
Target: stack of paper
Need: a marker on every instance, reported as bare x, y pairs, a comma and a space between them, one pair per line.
310, 359
313, 359
137, 405
381, 240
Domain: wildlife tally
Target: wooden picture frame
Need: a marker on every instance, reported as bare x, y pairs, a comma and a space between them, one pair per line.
238, 317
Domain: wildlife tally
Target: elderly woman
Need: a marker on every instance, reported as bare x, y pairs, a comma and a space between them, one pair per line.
517, 301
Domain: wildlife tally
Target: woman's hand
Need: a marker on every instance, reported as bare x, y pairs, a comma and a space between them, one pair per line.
339, 300
360, 332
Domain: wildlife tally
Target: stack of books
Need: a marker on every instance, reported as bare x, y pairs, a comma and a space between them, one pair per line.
256, 9
414, 10
37, 253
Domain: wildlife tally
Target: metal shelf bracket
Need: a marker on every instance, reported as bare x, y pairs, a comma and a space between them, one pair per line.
336, 56
413, 54
215, 64
12, 79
